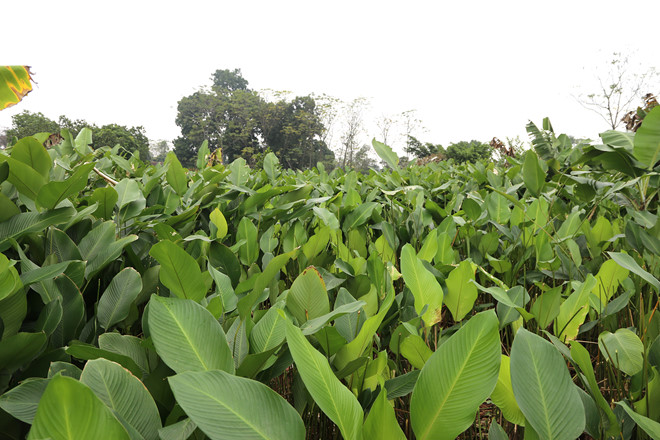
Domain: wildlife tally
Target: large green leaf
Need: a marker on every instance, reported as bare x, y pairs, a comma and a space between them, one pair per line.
573, 311
503, 397
543, 388
533, 174
624, 349
627, 262
187, 337
461, 293
124, 394
334, 399
386, 153
51, 194
458, 377
179, 271
27, 181
100, 248
307, 298
381, 422
33, 154
27, 222
230, 407
22, 401
647, 139
425, 288
114, 305
651, 427
176, 175
249, 251
69, 410
106, 198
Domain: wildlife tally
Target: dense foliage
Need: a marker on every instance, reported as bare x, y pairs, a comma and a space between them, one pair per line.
450, 300
241, 123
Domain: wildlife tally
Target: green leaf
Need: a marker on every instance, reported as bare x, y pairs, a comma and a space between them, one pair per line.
100, 248
647, 139
116, 301
627, 262
582, 359
33, 154
249, 251
573, 311
334, 399
503, 396
496, 432
226, 406
124, 394
201, 155
26, 180
22, 401
246, 303
381, 422
83, 141
359, 215
415, 350
386, 153
623, 349
651, 427
218, 219
69, 410
106, 199
271, 163
176, 175
544, 390
179, 271
425, 288
364, 339
533, 174
326, 217
51, 194
187, 337
27, 222
18, 350
80, 350
458, 377
307, 298
461, 293
546, 307
128, 191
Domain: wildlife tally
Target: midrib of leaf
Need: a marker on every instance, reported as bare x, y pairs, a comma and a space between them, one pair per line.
185, 334
176, 273
458, 374
546, 413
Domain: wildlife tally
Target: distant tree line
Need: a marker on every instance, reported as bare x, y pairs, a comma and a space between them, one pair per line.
130, 138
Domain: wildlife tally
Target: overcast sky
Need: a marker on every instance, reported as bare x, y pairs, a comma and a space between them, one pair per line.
471, 69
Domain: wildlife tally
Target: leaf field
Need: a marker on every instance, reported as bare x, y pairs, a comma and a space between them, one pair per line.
512, 299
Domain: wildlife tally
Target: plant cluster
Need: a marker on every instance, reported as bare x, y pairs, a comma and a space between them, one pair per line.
432, 302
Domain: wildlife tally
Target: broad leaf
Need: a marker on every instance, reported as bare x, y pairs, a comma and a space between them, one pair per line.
647, 139
307, 298
226, 406
544, 390
458, 377
425, 288
179, 271
114, 305
69, 410
187, 337
334, 399
461, 293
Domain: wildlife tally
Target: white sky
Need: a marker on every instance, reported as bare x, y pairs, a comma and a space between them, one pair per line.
471, 69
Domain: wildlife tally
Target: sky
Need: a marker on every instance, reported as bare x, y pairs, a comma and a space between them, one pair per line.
470, 69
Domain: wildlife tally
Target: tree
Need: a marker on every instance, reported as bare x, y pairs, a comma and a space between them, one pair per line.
27, 123
619, 86
159, 150
472, 151
353, 127
416, 148
385, 125
241, 122
131, 139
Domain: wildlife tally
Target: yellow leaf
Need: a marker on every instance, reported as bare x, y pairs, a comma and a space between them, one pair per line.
15, 83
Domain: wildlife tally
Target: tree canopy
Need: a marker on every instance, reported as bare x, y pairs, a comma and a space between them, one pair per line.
236, 119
